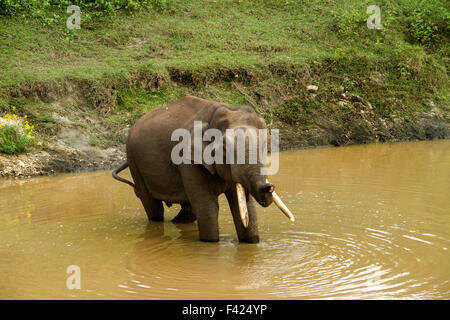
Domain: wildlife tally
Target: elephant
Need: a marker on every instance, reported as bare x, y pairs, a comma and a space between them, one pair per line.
196, 186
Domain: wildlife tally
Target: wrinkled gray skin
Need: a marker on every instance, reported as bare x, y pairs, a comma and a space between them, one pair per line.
195, 186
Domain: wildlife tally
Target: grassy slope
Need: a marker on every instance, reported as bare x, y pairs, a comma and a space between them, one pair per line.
230, 50
196, 35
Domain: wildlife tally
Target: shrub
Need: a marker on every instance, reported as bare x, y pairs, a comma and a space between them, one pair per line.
425, 26
9, 7
350, 22
427, 22
15, 134
36, 7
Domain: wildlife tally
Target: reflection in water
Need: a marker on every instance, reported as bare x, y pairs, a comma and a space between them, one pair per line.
372, 221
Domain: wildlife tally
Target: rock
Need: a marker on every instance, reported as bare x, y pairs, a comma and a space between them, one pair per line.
61, 119
435, 112
312, 88
340, 90
430, 103
351, 97
377, 79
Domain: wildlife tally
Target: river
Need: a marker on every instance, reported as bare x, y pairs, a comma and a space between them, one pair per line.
372, 222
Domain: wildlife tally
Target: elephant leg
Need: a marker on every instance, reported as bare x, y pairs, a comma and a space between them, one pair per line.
153, 208
207, 220
249, 234
204, 202
185, 215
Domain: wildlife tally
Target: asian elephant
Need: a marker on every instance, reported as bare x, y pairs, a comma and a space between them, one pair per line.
197, 185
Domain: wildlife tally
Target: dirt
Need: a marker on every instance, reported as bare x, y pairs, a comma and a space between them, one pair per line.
39, 162
69, 152
361, 125
342, 119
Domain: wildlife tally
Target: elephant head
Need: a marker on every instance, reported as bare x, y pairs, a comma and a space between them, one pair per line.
239, 163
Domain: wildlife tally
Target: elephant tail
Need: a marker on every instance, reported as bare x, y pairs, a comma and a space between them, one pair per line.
119, 169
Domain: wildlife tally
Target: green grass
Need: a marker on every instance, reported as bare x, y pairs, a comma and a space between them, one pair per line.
12, 140
132, 104
197, 35
15, 133
235, 51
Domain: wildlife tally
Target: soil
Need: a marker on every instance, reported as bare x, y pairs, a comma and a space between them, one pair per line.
351, 121
364, 126
69, 152
72, 153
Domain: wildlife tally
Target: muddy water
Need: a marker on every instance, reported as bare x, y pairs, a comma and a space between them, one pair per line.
373, 221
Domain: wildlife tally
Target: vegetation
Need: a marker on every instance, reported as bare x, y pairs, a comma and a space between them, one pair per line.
15, 133
38, 8
130, 56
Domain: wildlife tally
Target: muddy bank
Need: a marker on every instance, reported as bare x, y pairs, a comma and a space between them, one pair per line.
72, 153
48, 162
362, 126
87, 123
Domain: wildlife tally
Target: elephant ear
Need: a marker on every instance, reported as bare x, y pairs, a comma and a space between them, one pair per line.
219, 123
198, 146
221, 118
211, 130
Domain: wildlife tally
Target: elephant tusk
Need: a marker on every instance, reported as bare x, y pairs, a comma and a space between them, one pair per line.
242, 203
280, 204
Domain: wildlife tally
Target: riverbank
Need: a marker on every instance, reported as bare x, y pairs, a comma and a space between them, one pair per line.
71, 150
312, 70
